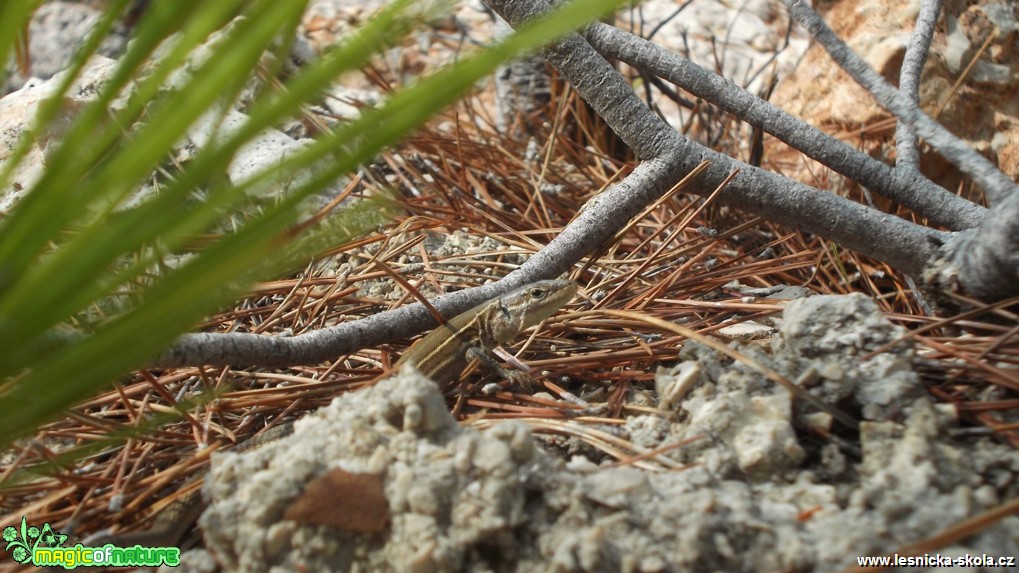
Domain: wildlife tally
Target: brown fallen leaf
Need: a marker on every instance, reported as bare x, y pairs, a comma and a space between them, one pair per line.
344, 500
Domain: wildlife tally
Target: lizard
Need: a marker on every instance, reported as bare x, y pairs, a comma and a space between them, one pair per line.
444, 352
441, 356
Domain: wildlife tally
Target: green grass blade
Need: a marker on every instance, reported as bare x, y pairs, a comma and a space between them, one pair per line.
173, 304
14, 17
165, 217
181, 297
85, 257
34, 227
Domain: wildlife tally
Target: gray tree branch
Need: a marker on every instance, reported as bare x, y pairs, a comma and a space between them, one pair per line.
900, 243
315, 347
909, 189
994, 183
906, 145
985, 261
982, 260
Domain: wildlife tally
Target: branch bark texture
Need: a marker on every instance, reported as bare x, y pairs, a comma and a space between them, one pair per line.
900, 243
906, 146
908, 188
995, 183
985, 262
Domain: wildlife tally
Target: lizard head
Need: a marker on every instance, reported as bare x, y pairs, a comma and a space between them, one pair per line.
531, 304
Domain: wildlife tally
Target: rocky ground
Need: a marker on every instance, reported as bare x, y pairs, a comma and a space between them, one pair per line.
752, 486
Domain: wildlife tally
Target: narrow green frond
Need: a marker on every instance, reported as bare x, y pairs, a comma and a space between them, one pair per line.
85, 266
14, 17
22, 238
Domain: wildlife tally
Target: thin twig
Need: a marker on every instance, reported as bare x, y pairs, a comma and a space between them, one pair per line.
906, 147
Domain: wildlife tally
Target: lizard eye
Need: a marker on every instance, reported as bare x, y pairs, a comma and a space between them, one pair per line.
538, 293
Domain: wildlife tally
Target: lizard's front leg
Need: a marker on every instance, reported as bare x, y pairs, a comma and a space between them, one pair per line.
515, 377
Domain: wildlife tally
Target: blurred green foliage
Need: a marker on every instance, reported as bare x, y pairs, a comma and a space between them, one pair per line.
71, 245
